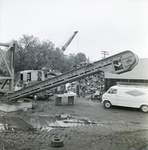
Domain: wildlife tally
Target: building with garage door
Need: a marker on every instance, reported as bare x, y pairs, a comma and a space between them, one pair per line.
139, 74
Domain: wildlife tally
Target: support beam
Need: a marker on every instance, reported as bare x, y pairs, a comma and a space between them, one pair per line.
5, 78
5, 44
10, 68
4, 83
5, 54
6, 64
11, 84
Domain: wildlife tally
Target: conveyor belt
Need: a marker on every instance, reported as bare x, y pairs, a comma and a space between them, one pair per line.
119, 63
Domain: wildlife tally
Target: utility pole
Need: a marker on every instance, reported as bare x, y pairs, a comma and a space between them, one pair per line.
104, 53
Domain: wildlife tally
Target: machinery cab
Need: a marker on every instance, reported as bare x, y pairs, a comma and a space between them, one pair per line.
32, 75
29, 77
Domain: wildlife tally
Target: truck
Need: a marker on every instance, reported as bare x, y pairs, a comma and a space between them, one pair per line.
134, 95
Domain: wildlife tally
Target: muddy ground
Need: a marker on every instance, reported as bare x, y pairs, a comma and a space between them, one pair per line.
86, 125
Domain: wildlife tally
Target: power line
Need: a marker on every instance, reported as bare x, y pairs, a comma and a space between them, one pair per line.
105, 53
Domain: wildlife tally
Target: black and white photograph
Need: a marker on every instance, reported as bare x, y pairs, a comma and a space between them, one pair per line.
73, 75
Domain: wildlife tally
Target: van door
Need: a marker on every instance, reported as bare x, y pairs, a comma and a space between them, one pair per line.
130, 98
112, 96
123, 98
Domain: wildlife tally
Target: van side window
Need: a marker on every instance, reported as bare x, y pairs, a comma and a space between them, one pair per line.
112, 91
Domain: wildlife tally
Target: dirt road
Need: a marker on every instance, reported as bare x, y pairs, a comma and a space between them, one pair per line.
86, 125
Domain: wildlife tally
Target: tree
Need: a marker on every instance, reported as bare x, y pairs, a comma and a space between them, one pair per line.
80, 57
34, 54
31, 53
77, 59
26, 48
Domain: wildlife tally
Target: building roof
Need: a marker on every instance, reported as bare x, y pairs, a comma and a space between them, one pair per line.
138, 72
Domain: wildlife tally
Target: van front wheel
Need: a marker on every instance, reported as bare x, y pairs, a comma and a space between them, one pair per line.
144, 108
107, 104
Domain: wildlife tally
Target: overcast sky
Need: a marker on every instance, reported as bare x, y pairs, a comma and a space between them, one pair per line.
113, 25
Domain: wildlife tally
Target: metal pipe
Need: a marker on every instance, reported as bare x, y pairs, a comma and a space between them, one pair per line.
5, 44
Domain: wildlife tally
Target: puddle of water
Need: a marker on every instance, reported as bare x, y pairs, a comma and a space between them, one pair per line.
45, 123
46, 129
60, 121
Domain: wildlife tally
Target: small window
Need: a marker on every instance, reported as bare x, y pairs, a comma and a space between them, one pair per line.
21, 77
118, 65
112, 91
29, 76
39, 76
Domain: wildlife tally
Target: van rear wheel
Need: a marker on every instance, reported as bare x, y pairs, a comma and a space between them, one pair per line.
107, 104
144, 108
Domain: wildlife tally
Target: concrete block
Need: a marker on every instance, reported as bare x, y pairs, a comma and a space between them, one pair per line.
71, 100
58, 101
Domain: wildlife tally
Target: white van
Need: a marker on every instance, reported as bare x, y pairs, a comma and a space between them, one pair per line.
135, 96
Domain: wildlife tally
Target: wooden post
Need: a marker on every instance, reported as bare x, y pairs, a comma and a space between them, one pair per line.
12, 53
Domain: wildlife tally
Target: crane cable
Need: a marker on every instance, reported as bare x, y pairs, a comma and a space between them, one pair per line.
78, 44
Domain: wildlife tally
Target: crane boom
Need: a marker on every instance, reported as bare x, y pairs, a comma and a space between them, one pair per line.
64, 47
119, 63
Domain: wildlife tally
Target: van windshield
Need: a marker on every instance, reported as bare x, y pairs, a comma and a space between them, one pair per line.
112, 91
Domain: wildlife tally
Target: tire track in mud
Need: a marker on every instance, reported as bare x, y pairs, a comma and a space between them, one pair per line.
20, 130
32, 136
47, 135
42, 134
128, 139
